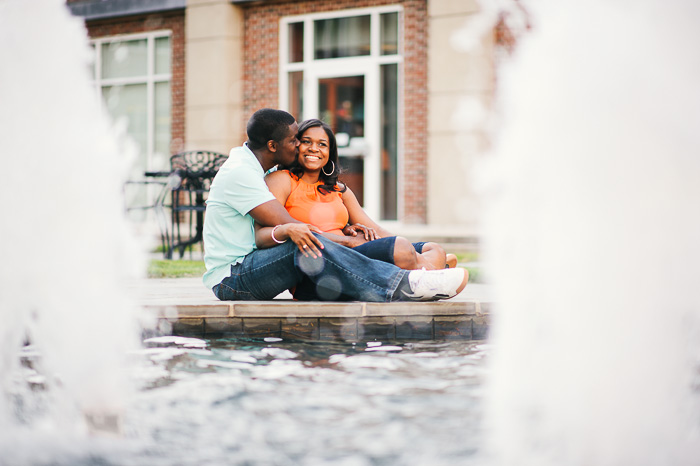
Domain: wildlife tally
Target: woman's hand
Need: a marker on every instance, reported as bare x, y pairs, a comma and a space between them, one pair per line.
369, 233
302, 235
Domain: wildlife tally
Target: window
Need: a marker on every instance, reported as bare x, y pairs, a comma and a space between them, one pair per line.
296, 42
390, 33
132, 75
344, 68
390, 139
342, 37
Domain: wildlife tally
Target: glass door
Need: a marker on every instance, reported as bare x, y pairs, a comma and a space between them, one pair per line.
341, 104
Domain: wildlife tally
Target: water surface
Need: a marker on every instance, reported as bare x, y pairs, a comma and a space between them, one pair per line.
283, 403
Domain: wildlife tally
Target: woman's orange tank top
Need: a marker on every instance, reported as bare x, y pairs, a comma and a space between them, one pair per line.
306, 204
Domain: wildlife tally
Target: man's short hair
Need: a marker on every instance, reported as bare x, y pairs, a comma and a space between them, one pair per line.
268, 124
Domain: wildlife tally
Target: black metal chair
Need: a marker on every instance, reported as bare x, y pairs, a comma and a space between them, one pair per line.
190, 180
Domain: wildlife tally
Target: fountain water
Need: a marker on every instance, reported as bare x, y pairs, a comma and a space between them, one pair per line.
591, 193
65, 246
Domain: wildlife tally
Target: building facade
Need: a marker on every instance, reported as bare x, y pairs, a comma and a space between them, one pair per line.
387, 75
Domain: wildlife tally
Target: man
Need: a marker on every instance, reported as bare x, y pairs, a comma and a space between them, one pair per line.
236, 270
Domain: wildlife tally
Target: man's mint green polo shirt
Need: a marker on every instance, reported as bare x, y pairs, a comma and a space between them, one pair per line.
229, 236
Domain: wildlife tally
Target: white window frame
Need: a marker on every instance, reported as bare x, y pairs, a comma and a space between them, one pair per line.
314, 68
150, 79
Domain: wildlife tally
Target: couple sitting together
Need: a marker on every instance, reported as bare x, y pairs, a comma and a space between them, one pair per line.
299, 228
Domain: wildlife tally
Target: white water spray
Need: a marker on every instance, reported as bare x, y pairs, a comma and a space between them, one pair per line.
591, 197
65, 246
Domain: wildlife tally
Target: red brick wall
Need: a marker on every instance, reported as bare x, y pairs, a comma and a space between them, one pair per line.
414, 139
261, 87
175, 22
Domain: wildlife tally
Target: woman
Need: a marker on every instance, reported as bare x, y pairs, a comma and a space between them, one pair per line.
311, 193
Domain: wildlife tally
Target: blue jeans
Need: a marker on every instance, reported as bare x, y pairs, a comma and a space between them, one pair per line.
382, 249
340, 274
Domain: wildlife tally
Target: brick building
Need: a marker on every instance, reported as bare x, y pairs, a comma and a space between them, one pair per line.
386, 74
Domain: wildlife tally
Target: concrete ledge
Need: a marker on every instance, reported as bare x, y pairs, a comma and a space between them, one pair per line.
294, 309
185, 307
329, 328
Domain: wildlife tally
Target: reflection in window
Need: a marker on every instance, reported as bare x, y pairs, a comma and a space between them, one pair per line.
390, 130
128, 102
342, 37
124, 59
390, 33
342, 105
162, 58
162, 120
296, 94
93, 71
296, 43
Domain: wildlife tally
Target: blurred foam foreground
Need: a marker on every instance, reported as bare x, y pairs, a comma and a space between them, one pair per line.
592, 191
65, 246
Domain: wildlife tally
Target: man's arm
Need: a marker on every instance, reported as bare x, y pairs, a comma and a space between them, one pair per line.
272, 213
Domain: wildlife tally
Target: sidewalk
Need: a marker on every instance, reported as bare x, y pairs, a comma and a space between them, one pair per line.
183, 306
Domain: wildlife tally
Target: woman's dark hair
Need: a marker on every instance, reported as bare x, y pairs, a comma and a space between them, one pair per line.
329, 182
268, 124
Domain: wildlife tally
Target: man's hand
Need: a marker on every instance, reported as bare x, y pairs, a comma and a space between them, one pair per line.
302, 235
369, 233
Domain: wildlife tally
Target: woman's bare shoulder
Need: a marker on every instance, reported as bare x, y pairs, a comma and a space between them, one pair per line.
348, 194
279, 183
279, 176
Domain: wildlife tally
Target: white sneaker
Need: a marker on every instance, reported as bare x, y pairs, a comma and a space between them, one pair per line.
430, 285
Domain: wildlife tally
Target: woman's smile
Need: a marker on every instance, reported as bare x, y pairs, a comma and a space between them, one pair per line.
314, 149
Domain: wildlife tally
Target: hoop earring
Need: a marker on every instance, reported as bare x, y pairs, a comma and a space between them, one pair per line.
332, 171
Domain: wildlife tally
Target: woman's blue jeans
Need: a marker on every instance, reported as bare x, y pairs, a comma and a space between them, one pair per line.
382, 249
341, 274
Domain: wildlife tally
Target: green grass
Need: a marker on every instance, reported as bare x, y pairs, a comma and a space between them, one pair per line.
469, 256
175, 268
475, 275
187, 268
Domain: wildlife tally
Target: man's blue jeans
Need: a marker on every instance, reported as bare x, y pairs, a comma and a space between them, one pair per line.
340, 274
